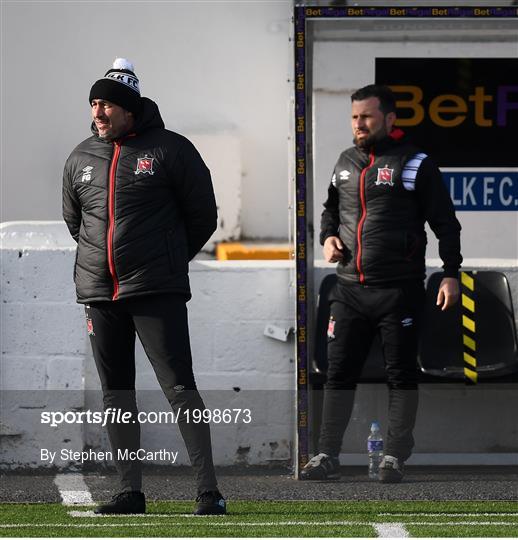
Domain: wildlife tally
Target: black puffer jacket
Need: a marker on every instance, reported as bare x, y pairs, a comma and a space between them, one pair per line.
379, 213
139, 208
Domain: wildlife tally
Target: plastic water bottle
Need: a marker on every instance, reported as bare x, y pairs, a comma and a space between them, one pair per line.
375, 450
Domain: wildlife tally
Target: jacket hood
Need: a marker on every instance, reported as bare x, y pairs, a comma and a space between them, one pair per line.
148, 118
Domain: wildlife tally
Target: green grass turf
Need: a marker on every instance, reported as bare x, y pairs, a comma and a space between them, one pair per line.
270, 518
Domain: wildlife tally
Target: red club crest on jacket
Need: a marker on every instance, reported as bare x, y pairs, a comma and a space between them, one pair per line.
385, 176
145, 165
331, 328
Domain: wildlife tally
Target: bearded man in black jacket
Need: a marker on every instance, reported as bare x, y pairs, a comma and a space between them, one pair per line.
382, 192
138, 199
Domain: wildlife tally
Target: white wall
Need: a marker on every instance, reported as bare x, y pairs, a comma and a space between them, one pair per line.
214, 67
46, 362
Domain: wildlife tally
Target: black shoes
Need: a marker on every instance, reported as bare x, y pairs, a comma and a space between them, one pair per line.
127, 502
321, 467
391, 470
210, 503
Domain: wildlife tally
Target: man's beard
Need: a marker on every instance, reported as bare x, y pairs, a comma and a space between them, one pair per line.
371, 139
108, 135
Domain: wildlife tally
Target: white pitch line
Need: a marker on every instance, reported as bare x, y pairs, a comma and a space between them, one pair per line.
195, 521
203, 522
92, 514
391, 530
449, 523
450, 514
73, 490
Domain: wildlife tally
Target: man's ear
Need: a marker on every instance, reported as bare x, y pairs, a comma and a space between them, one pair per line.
390, 119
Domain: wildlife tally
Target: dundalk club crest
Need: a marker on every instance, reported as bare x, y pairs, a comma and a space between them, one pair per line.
331, 328
385, 176
90, 327
145, 165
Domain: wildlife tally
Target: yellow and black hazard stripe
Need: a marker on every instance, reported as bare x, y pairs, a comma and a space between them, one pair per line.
469, 327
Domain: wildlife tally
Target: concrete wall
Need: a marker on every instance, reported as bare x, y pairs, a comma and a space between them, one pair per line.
46, 362
214, 68
46, 365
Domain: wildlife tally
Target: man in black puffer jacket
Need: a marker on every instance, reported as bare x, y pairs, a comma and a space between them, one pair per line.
382, 192
138, 200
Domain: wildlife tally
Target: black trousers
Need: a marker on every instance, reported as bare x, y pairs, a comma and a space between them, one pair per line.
161, 324
357, 314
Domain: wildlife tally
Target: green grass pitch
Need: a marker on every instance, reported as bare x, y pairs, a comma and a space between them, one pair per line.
270, 518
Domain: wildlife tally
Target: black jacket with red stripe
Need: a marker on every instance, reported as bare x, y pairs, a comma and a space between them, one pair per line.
139, 209
378, 202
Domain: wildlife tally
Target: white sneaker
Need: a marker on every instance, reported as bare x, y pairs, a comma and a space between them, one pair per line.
391, 470
321, 467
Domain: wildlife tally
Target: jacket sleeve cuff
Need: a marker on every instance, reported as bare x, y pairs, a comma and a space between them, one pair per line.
324, 235
451, 272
